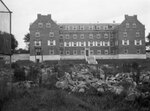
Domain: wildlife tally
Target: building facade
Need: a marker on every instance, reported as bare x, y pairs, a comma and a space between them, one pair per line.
52, 41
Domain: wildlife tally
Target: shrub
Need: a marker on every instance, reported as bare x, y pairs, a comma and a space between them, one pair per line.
19, 74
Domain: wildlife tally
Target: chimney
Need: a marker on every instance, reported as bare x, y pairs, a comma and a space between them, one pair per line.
135, 16
49, 15
126, 16
38, 15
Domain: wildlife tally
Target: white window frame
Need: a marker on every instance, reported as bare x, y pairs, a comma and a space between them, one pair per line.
51, 34
125, 34
40, 25
48, 25
137, 34
105, 35
37, 43
37, 34
74, 44
51, 42
134, 25
125, 42
137, 42
91, 27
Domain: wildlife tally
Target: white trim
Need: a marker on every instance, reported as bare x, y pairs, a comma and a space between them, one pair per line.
131, 56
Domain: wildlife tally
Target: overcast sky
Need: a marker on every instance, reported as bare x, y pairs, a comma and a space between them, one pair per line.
75, 11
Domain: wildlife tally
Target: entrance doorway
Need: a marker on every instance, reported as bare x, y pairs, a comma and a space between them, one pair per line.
87, 51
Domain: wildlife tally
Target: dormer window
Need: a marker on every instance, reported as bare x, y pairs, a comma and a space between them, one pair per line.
134, 25
127, 25
91, 27
40, 25
48, 25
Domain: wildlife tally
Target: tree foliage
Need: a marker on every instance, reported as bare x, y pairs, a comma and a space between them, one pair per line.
27, 40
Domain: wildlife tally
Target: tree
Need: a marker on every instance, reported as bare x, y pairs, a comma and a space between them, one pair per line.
148, 42
27, 40
14, 43
5, 40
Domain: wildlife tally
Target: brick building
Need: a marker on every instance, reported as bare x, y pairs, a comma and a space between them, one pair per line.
52, 41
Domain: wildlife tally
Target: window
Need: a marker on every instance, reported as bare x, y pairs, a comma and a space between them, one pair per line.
67, 44
91, 36
98, 36
91, 27
81, 27
124, 34
74, 28
99, 43
138, 51
82, 44
112, 51
40, 25
127, 25
105, 35
125, 42
38, 51
91, 52
111, 43
82, 52
98, 27
74, 52
134, 25
51, 52
91, 43
67, 27
37, 43
105, 27
125, 51
37, 34
61, 36
98, 52
106, 52
138, 42
67, 36
82, 36
111, 35
61, 27
67, 52
51, 42
74, 36
74, 44
51, 34
137, 34
61, 44
105, 43
48, 25
61, 52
